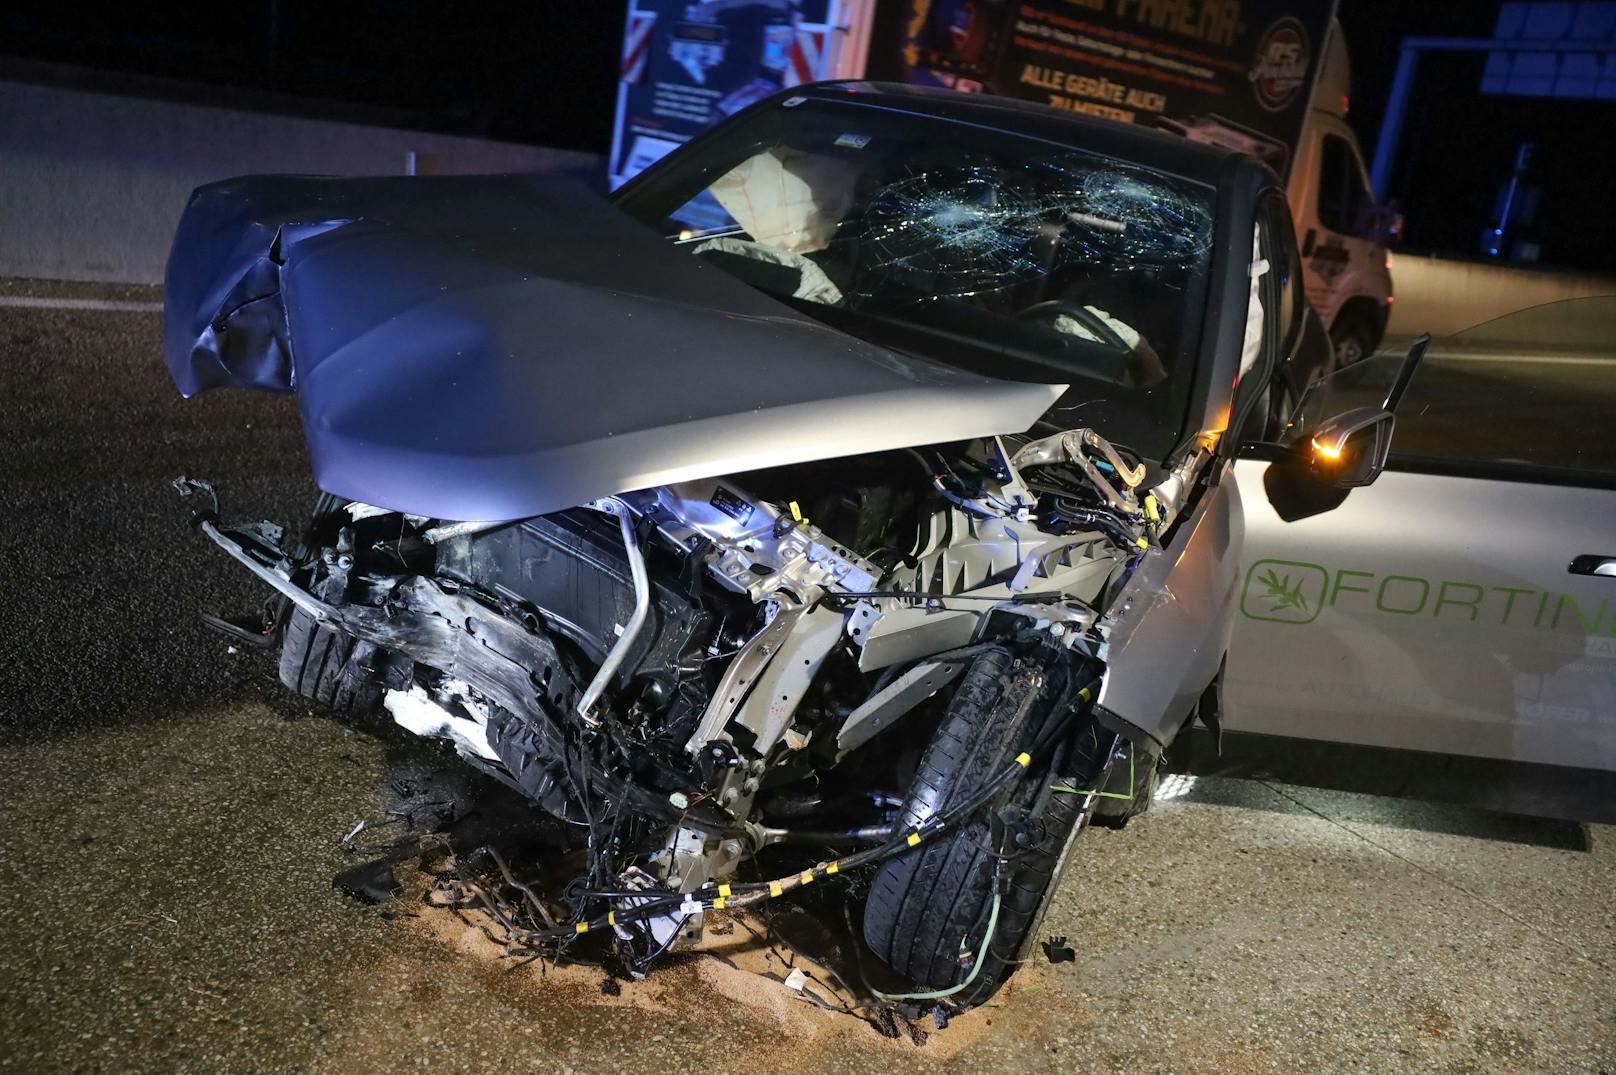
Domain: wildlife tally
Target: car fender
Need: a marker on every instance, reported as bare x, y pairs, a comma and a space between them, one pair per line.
1170, 625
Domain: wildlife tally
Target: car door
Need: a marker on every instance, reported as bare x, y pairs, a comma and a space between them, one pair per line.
1173, 619
1466, 602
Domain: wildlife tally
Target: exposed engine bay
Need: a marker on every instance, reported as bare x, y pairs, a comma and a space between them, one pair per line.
691, 673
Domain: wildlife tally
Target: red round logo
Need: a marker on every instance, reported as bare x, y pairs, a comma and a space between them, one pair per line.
1279, 70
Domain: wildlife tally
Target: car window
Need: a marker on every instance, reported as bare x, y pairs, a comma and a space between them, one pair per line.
1341, 189
1526, 396
981, 249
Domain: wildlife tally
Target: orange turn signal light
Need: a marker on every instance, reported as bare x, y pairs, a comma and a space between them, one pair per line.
1331, 452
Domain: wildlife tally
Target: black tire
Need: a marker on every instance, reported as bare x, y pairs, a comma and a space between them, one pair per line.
930, 906
1353, 339
331, 667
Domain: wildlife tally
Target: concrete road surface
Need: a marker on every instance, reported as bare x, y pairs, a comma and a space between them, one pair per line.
170, 821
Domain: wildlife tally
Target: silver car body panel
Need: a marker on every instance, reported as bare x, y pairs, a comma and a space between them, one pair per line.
1463, 634
1169, 628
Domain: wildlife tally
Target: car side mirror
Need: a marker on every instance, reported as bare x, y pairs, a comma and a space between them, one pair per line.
1349, 450
1320, 461
1346, 453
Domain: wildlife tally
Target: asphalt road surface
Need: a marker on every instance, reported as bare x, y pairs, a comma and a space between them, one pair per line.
170, 822
1490, 405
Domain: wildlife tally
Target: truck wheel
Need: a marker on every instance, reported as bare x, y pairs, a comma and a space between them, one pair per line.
330, 666
1353, 338
928, 910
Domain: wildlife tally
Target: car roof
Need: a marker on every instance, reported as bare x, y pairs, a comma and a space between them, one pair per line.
1159, 150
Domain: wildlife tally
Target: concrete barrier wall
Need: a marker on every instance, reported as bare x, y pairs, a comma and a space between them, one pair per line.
91, 184
1443, 297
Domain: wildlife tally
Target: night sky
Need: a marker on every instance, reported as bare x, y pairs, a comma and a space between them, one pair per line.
1459, 146
542, 72
545, 72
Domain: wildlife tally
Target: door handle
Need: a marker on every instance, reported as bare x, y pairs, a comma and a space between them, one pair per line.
1588, 564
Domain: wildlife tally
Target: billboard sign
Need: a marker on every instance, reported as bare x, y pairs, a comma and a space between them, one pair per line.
687, 65
1236, 73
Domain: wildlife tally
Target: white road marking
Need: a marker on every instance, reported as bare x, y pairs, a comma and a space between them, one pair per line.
1396, 347
41, 303
1527, 360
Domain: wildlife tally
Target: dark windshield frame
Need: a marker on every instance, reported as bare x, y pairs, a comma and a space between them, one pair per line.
1152, 426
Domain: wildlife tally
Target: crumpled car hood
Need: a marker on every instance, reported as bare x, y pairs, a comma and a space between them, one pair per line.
496, 347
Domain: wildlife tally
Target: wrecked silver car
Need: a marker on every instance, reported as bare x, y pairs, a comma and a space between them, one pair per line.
853, 480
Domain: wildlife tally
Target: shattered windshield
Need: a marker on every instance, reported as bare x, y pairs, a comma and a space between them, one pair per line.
1001, 254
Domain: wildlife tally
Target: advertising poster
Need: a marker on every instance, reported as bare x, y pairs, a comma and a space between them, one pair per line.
688, 65
1236, 73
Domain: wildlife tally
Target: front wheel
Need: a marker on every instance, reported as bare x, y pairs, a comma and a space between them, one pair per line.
330, 666
1352, 337
928, 912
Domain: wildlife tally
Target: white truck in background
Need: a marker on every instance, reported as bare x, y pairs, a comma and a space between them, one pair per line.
1341, 230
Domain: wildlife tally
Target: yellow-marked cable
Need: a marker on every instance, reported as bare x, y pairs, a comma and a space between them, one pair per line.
777, 888
611, 918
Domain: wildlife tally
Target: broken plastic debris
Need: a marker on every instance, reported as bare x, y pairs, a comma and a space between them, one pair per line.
369, 882
796, 980
1059, 951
